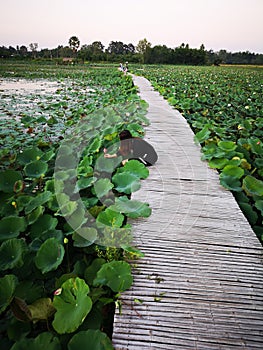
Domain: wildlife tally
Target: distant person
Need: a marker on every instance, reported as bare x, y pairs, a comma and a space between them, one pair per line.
121, 68
134, 148
126, 67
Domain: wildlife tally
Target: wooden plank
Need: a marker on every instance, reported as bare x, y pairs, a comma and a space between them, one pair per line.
199, 285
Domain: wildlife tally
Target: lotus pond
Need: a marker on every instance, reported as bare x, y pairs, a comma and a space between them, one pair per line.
64, 237
224, 107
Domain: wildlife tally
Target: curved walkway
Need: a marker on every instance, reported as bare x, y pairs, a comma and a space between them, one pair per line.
199, 285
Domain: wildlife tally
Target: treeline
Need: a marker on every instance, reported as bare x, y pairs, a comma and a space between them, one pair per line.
118, 51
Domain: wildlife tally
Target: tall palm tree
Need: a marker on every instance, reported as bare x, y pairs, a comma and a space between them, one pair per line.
74, 43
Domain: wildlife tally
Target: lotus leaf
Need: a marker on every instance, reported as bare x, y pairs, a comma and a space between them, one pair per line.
136, 168
203, 135
126, 183
41, 309
44, 223
135, 129
85, 182
116, 275
253, 186
11, 226
110, 218
29, 155
91, 271
249, 212
231, 183
234, 171
49, 256
227, 146
36, 169
259, 205
29, 290
102, 187
8, 285
11, 253
35, 214
218, 163
72, 305
44, 340
94, 146
40, 199
85, 236
131, 208
90, 340
8, 179
107, 165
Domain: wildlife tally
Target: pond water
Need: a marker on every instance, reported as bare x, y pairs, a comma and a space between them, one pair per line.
23, 86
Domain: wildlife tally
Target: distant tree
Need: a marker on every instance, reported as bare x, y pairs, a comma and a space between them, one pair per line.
158, 54
128, 48
33, 47
93, 52
74, 44
116, 47
142, 46
23, 50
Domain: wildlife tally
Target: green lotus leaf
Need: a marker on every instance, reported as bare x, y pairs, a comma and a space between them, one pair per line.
253, 186
259, 163
44, 340
48, 155
29, 155
94, 146
72, 305
107, 165
91, 271
35, 214
218, 163
78, 217
29, 290
102, 187
37, 201
85, 236
11, 253
86, 162
256, 146
136, 168
85, 182
131, 208
234, 171
203, 135
8, 285
126, 183
135, 129
116, 275
8, 180
248, 211
36, 169
230, 182
133, 251
227, 146
49, 256
11, 226
259, 205
90, 340
67, 207
110, 218
44, 223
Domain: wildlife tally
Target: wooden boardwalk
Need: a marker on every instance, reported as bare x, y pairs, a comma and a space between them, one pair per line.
201, 281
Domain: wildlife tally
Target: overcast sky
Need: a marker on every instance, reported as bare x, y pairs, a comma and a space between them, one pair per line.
234, 25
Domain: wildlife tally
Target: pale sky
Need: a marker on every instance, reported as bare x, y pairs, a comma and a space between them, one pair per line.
234, 25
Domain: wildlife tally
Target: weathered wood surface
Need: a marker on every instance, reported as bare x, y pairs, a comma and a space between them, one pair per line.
200, 281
